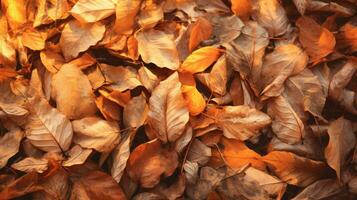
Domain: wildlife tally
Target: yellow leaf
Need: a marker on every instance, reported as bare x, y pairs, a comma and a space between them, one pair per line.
194, 99
200, 59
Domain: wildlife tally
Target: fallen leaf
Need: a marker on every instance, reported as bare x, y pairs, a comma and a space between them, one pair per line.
31, 164
286, 124
47, 128
241, 122
199, 152
316, 40
9, 145
242, 8
301, 5
194, 99
272, 16
53, 61
149, 161
201, 30
126, 12
34, 39
236, 155
76, 38
96, 185
321, 189
284, 61
135, 112
341, 142
150, 14
147, 78
77, 156
294, 169
120, 156
159, 48
347, 36
168, 114
200, 59
91, 11
96, 133
70, 86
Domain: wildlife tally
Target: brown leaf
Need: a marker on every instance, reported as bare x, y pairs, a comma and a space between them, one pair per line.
286, 124
294, 169
241, 122
149, 161
317, 41
21, 186
236, 155
150, 14
96, 185
342, 141
120, 156
321, 189
199, 152
96, 133
9, 145
347, 36
53, 61
47, 128
30, 164
200, 59
77, 156
284, 61
271, 15
34, 39
165, 53
76, 38
7, 52
201, 30
109, 109
135, 112
91, 11
70, 86
168, 114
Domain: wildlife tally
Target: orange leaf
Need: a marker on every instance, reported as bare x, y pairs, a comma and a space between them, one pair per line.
242, 8
194, 99
201, 30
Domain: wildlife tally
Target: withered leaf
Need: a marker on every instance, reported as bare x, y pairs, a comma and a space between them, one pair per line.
321, 189
76, 156
317, 41
201, 30
294, 169
96, 133
135, 112
271, 15
241, 122
242, 8
126, 11
76, 37
286, 124
70, 86
151, 13
120, 156
31, 164
200, 59
342, 141
199, 152
194, 99
91, 11
47, 128
149, 161
9, 145
159, 48
168, 113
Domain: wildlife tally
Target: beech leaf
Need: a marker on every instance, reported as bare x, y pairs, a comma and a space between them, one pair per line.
91, 11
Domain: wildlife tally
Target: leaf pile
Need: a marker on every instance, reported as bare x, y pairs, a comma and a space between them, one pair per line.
178, 99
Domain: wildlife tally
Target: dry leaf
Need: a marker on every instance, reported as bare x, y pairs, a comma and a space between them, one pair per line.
271, 15
149, 161
126, 11
168, 114
147, 78
286, 124
150, 14
321, 189
70, 86
201, 30
120, 157
200, 59
13, 109
242, 8
91, 11
77, 156
199, 152
284, 61
47, 128
34, 39
236, 155
76, 38
194, 99
51, 60
217, 79
96, 133
159, 48
342, 141
7, 52
135, 112
294, 169
31, 164
9, 145
241, 122
347, 36
317, 41
109, 109
301, 5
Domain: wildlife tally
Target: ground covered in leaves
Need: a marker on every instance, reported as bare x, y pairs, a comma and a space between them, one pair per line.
178, 99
